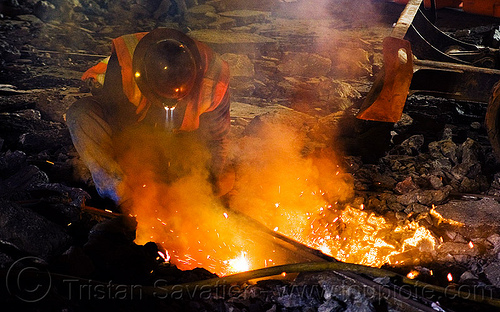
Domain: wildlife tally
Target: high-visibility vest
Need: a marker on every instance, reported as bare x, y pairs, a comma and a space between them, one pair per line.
214, 83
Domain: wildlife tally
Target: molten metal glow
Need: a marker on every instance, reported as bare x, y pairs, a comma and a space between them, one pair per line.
355, 235
449, 277
239, 264
412, 274
441, 219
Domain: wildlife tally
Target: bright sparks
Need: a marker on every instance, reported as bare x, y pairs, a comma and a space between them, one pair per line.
239, 264
449, 277
164, 256
412, 274
353, 235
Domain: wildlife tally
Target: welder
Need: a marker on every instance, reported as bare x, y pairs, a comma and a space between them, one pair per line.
163, 79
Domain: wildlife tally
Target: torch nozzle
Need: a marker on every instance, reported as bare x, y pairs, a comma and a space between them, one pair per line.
169, 118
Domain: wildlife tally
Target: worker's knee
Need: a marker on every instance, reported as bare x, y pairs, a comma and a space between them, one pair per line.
86, 116
83, 107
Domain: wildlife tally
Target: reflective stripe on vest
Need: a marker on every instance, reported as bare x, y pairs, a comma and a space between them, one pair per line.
97, 72
213, 88
124, 48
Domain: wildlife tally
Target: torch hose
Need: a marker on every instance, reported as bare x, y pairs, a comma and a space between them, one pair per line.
202, 286
315, 267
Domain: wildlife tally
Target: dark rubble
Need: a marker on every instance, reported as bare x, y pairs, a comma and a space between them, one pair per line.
284, 67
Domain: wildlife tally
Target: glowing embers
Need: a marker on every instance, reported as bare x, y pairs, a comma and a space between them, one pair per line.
449, 277
412, 274
441, 219
356, 235
163, 256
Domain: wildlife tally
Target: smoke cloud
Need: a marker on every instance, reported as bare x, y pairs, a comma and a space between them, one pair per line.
167, 181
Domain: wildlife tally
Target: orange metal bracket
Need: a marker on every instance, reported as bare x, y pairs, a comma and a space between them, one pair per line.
387, 97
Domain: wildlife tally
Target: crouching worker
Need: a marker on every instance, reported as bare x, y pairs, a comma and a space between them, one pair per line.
164, 81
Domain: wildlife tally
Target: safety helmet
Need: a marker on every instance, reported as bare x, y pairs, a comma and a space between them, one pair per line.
166, 65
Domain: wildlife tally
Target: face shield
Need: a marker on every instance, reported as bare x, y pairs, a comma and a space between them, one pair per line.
166, 66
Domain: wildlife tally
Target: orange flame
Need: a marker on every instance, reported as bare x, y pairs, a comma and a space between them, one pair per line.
296, 196
239, 264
